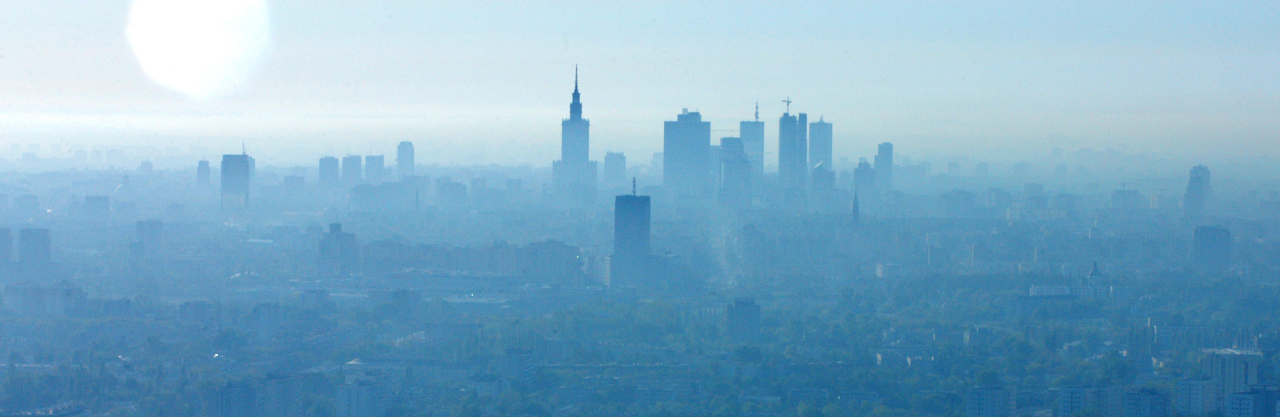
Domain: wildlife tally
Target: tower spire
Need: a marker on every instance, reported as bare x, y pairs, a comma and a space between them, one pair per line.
575, 108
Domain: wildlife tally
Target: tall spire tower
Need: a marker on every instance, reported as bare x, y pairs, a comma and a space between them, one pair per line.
575, 173
575, 108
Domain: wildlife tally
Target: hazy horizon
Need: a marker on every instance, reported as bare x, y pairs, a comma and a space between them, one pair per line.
476, 84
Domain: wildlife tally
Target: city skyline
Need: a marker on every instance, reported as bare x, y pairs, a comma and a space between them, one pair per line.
1008, 84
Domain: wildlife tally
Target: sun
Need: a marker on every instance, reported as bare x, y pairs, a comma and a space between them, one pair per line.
201, 48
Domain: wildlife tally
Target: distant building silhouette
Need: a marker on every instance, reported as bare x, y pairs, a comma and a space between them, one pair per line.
1197, 396
237, 174
884, 167
990, 401
631, 226
820, 145
352, 169
686, 150
404, 159
864, 178
1256, 402
1198, 189
735, 172
330, 172
631, 234
575, 173
202, 174
375, 169
793, 158
1212, 245
1233, 370
339, 252
615, 170
1146, 403
752, 134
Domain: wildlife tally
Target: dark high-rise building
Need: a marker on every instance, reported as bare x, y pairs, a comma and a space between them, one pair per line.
352, 168
404, 159
237, 174
735, 172
884, 167
615, 170
820, 145
34, 248
330, 172
752, 134
1212, 245
631, 226
202, 174
1198, 190
793, 158
686, 152
575, 173
631, 236
374, 168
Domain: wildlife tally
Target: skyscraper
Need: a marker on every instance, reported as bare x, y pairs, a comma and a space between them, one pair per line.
615, 169
793, 158
404, 159
752, 134
631, 226
864, 178
329, 172
575, 173
375, 168
1198, 190
820, 145
202, 174
884, 167
351, 169
735, 172
686, 152
630, 240
237, 173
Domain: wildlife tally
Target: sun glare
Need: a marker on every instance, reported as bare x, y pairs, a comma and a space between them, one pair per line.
201, 48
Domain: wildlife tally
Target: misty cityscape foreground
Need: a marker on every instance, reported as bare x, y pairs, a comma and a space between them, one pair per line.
714, 278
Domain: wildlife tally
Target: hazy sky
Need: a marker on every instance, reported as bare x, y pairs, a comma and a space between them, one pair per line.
476, 82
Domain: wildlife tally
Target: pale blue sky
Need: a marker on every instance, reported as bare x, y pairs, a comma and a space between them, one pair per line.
488, 82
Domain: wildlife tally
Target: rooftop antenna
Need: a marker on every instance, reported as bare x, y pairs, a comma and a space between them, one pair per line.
788, 101
633, 186
758, 111
242, 149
